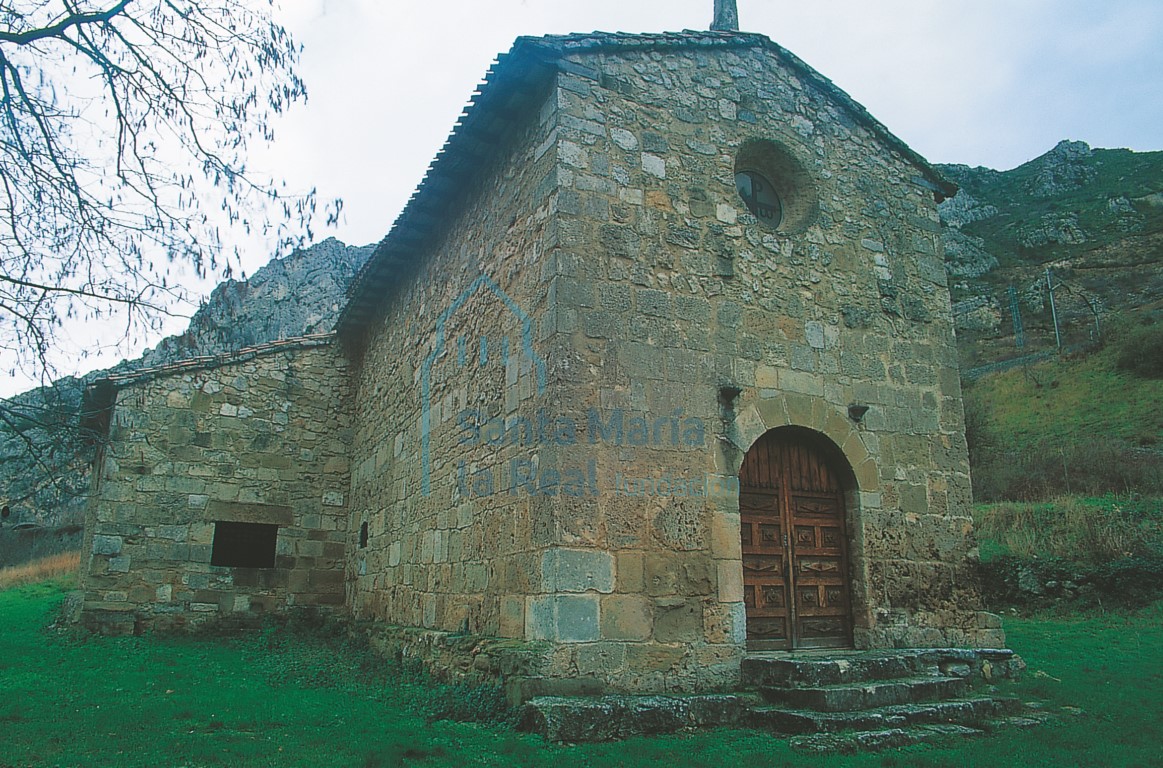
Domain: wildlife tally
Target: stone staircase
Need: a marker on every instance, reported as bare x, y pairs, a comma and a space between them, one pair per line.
875, 699
825, 701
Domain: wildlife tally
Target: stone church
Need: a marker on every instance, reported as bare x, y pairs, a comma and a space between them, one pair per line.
656, 368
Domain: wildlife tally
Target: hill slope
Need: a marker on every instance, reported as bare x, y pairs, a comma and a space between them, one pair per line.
1093, 216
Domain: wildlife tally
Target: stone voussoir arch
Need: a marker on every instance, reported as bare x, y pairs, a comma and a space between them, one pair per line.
790, 410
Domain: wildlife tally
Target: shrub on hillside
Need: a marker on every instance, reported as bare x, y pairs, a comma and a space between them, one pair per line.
1127, 582
1140, 351
1075, 529
979, 437
1074, 552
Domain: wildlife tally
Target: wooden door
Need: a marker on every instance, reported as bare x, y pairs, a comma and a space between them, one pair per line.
792, 527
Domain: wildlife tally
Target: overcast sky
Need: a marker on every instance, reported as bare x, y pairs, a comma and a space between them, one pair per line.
981, 82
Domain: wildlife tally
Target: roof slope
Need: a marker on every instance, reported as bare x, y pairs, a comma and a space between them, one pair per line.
100, 395
511, 86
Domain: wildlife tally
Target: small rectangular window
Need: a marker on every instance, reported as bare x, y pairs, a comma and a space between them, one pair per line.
244, 545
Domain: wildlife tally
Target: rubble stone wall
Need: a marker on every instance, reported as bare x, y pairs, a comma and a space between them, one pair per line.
460, 344
259, 441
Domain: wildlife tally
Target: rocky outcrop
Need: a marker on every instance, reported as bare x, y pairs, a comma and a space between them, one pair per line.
980, 313
297, 295
1092, 215
1060, 229
43, 469
963, 208
966, 255
1063, 169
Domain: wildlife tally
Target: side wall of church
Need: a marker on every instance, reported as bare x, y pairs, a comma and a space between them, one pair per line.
458, 350
259, 441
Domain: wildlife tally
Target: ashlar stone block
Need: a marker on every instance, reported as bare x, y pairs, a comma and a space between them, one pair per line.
627, 617
564, 618
601, 658
577, 570
107, 545
730, 581
678, 620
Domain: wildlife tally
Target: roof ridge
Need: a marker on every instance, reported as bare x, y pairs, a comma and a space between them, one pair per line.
204, 362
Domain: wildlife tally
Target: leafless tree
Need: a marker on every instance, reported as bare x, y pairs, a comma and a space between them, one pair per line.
125, 127
124, 131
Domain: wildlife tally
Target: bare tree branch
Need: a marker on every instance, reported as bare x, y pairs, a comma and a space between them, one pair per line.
125, 130
58, 29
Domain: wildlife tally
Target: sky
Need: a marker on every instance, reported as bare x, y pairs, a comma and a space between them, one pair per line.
980, 82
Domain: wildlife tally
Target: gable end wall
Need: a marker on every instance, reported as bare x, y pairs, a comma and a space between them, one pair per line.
263, 441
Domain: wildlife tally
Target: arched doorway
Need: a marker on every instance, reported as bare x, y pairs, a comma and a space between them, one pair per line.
794, 533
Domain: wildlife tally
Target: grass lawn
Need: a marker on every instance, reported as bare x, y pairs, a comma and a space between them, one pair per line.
277, 699
1069, 402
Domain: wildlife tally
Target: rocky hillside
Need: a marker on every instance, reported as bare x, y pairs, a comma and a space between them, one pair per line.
42, 478
1094, 217
300, 294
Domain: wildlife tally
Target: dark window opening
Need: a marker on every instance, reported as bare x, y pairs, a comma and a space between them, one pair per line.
363, 535
244, 545
760, 197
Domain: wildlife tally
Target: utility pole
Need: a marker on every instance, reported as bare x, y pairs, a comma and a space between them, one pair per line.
1053, 311
1016, 313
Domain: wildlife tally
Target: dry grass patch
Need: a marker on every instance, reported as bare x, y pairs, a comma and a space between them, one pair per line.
1072, 528
61, 565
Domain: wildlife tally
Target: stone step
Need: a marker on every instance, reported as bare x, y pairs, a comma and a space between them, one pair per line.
808, 669
783, 720
577, 719
858, 741
885, 693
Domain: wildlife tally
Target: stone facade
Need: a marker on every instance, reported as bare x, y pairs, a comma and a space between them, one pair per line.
573, 336
262, 439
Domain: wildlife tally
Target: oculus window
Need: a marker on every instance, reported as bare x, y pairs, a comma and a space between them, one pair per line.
776, 185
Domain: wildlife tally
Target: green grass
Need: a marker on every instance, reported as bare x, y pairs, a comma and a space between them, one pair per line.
1081, 529
1070, 401
1066, 426
272, 699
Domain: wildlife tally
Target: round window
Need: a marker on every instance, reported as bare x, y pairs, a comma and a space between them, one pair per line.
759, 196
775, 186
